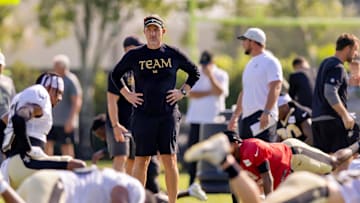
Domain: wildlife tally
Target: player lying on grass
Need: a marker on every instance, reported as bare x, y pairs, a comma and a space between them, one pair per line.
298, 187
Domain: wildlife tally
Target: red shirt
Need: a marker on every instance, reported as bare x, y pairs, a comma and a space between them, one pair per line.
253, 153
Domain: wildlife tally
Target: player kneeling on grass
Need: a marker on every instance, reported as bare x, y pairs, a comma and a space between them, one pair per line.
29, 120
298, 187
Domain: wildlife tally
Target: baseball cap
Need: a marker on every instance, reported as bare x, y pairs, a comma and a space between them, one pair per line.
255, 34
206, 58
2, 59
131, 41
154, 20
284, 99
232, 136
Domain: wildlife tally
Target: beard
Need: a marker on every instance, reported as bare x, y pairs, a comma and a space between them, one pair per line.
349, 58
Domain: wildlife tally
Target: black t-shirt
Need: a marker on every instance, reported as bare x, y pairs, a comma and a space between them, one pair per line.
124, 107
291, 126
155, 74
331, 72
302, 86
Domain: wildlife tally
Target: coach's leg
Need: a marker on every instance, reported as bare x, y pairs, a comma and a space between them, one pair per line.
171, 175
129, 166
68, 149
140, 168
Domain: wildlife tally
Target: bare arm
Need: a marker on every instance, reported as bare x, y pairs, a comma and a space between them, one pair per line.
346, 118
76, 102
244, 188
8, 193
5, 118
266, 176
274, 92
235, 116
268, 182
215, 84
10, 196
118, 129
306, 128
199, 94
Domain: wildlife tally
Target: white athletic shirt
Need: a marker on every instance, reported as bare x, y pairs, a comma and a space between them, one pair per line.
205, 109
95, 186
259, 72
36, 127
349, 185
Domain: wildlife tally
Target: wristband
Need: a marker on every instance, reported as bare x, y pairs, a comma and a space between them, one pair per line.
267, 112
3, 186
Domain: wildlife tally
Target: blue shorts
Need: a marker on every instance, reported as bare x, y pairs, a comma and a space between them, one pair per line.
155, 133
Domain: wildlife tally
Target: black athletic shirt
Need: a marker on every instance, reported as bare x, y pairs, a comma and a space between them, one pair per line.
331, 72
155, 74
302, 86
124, 107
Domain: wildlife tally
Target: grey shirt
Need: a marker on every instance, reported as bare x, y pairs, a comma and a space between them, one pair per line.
7, 92
61, 111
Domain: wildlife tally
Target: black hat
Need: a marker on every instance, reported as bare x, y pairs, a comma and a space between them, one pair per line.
206, 58
131, 41
154, 20
232, 136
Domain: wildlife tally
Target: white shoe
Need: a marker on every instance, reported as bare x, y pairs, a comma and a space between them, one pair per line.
212, 150
196, 191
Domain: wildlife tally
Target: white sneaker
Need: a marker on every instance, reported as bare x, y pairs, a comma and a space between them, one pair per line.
212, 150
196, 191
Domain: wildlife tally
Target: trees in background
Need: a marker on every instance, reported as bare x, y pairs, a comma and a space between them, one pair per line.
96, 25
81, 18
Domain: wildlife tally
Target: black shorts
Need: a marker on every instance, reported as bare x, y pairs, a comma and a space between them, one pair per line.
58, 135
268, 135
115, 148
331, 135
155, 133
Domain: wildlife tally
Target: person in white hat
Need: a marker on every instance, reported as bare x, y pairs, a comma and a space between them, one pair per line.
261, 82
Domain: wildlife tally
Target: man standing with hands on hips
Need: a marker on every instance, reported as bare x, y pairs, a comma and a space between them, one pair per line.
257, 102
156, 118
